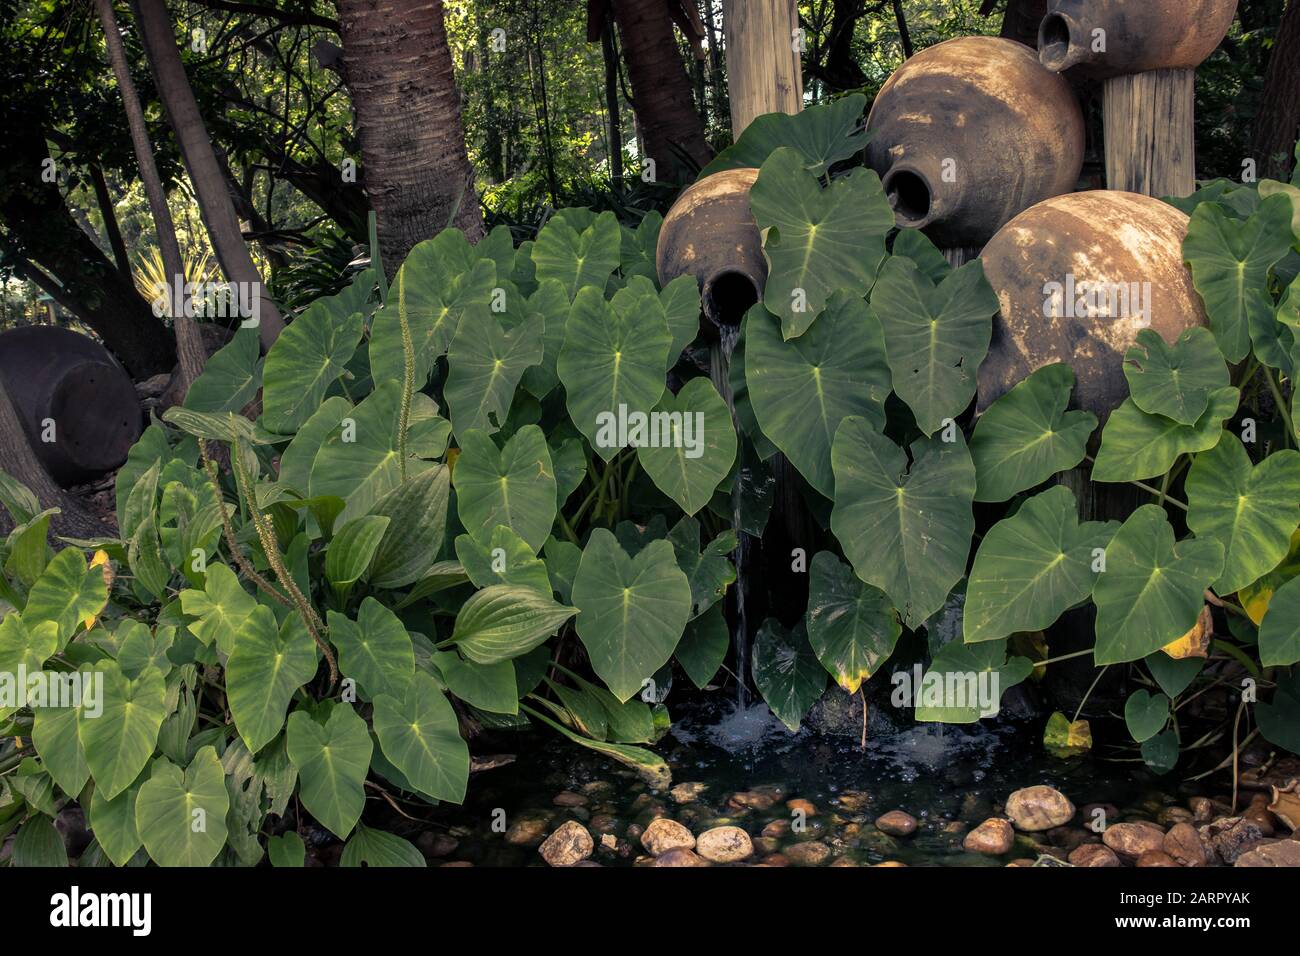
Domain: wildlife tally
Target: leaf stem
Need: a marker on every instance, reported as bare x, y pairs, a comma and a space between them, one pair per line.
1278, 397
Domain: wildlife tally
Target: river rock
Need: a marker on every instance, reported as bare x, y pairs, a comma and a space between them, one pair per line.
1039, 808
891, 863
1275, 853
1183, 843
663, 835
1093, 854
896, 823
687, 792
1171, 816
527, 830
752, 800
1231, 837
810, 853
777, 828
1131, 840
567, 798
1153, 858
775, 859
569, 844
993, 837
1261, 818
854, 801
679, 856
799, 805
845, 861
724, 845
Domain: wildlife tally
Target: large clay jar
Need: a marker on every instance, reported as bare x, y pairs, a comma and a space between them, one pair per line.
60, 377
1138, 35
1077, 277
968, 133
710, 233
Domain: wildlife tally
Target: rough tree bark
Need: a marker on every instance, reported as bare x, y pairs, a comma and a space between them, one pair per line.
1278, 123
205, 174
189, 344
403, 86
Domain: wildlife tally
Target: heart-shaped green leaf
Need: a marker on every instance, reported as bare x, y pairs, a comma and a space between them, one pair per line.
311, 352
1033, 566
916, 245
851, 625
801, 390
220, 607
578, 259
1279, 634
181, 816
419, 733
119, 741
786, 671
1160, 753
485, 363
905, 528
55, 736
1145, 714
823, 135
965, 682
1251, 510
710, 571
332, 759
816, 240
704, 646
936, 336
1230, 261
417, 513
514, 486
505, 621
612, 362
266, 668
113, 822
551, 304
1027, 436
633, 610
375, 650
1152, 589
25, 648
1173, 676
691, 446
1175, 380
69, 592
230, 378
1279, 719
1136, 446
505, 559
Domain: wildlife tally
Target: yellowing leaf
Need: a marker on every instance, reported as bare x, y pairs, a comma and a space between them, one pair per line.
1065, 738
1255, 598
1196, 642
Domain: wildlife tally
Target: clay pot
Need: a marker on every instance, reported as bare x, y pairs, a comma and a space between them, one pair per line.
1077, 278
1140, 35
60, 375
710, 233
970, 132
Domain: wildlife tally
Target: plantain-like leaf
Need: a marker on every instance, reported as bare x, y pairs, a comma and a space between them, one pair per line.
1175, 381
579, 259
1027, 436
230, 378
1252, 510
417, 513
311, 352
1279, 634
965, 682
851, 625
332, 758
1153, 589
1145, 714
505, 621
505, 559
906, 529
632, 610
514, 486
181, 816
375, 650
1136, 446
440, 279
119, 741
1230, 261
352, 549
648, 765
801, 390
936, 336
823, 135
1032, 567
267, 666
485, 363
786, 671
419, 733
376, 848
817, 240
689, 456
359, 461
704, 645
613, 360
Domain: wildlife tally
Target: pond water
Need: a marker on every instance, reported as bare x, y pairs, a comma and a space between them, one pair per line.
948, 778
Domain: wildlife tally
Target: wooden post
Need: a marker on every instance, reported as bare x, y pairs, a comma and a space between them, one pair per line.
1150, 129
764, 72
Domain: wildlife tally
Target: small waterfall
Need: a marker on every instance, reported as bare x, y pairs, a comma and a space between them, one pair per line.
720, 371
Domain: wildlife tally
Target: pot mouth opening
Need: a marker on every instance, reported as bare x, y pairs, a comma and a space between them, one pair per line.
909, 194
1054, 42
728, 296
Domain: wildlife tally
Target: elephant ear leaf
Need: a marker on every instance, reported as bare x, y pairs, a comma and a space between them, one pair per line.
1027, 436
816, 239
936, 336
267, 666
332, 758
787, 672
1175, 381
580, 255
1152, 589
1032, 567
513, 486
230, 378
1145, 714
181, 816
1279, 634
823, 135
311, 352
851, 625
420, 734
121, 739
980, 675
701, 446
485, 364
1136, 446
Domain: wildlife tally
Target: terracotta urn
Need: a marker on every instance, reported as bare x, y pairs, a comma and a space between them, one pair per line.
1105, 38
1077, 277
970, 132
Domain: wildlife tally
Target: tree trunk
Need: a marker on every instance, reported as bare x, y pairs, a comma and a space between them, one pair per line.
842, 71
403, 86
1278, 122
200, 161
904, 35
763, 68
112, 230
661, 88
189, 344
609, 47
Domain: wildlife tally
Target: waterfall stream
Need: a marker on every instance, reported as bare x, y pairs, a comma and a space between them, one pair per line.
720, 371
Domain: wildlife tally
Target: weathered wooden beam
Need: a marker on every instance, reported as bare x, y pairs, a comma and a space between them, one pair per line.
764, 72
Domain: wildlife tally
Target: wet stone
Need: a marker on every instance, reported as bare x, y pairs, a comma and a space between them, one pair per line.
569, 844
687, 792
993, 837
663, 835
1093, 854
724, 845
896, 823
679, 856
1230, 837
1183, 843
567, 798
1154, 858
811, 853
1133, 839
1039, 808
